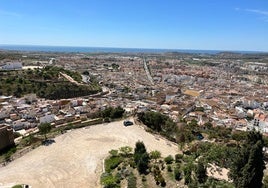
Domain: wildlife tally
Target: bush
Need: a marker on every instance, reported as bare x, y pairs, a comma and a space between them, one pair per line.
132, 164
118, 178
169, 159
109, 181
162, 181
177, 174
187, 174
178, 158
169, 169
125, 151
17, 186
132, 181
201, 172
114, 153
112, 163
155, 154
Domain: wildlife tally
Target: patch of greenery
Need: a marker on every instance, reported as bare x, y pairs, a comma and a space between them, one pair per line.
113, 113
248, 164
141, 157
17, 186
169, 159
159, 123
211, 182
131, 181
187, 168
112, 163
46, 83
109, 181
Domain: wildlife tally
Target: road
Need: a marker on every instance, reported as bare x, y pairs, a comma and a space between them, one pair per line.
148, 72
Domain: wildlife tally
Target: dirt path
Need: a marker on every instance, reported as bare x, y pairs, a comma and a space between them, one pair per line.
75, 160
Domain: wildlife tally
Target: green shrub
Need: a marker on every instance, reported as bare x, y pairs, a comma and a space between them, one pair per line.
114, 153
187, 174
162, 181
177, 174
169, 169
17, 186
169, 159
132, 163
112, 163
109, 181
132, 181
178, 158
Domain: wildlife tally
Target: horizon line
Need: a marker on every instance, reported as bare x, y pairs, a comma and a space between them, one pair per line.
138, 48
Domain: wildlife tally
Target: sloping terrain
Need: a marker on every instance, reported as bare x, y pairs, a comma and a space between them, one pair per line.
76, 157
47, 82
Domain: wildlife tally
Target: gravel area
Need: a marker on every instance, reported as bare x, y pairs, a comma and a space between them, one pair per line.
76, 157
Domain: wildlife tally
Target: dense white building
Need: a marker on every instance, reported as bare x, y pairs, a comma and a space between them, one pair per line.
12, 66
48, 118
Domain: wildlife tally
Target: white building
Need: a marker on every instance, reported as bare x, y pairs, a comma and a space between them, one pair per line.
12, 66
48, 118
20, 124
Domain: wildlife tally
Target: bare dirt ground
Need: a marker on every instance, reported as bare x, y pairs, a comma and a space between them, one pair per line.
217, 172
76, 157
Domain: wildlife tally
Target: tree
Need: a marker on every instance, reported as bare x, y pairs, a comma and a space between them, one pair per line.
139, 148
248, 165
201, 172
44, 128
117, 112
141, 157
142, 163
113, 112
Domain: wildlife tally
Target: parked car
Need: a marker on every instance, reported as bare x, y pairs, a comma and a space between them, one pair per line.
128, 123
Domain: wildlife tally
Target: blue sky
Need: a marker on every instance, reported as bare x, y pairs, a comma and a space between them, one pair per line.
171, 24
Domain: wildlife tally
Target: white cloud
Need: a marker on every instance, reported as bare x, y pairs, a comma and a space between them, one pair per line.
260, 12
237, 9
263, 15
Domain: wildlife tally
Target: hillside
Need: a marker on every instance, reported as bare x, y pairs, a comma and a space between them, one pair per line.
46, 83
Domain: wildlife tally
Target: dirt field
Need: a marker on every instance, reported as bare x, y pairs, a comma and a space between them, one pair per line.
76, 157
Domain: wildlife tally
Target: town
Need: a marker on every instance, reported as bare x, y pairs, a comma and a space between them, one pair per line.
227, 90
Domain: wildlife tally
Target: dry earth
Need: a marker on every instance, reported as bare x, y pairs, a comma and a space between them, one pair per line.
76, 157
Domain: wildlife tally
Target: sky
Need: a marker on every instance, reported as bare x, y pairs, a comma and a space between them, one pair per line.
158, 24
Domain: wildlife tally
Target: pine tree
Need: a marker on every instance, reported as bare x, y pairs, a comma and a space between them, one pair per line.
141, 157
248, 165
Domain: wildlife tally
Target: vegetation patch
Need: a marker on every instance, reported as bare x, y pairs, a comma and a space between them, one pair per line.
46, 83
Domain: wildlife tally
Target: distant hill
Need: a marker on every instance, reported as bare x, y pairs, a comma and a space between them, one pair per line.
46, 83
